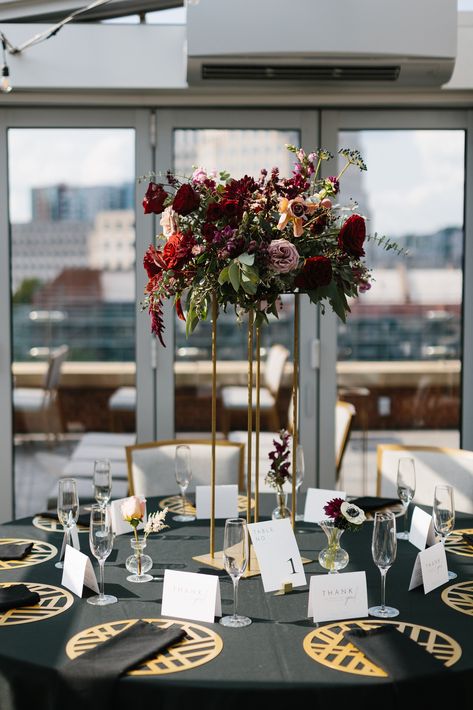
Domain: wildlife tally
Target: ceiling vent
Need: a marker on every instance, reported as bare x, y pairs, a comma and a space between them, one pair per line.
298, 73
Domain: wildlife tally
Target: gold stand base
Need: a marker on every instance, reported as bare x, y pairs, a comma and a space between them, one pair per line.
217, 562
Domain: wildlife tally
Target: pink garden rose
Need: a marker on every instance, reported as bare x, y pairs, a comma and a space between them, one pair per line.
133, 508
199, 175
283, 256
169, 222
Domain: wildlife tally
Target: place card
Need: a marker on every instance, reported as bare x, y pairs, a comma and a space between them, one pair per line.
338, 596
78, 572
226, 501
120, 526
278, 555
315, 501
430, 568
189, 595
421, 534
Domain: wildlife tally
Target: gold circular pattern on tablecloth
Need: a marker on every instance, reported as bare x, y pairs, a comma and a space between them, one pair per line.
53, 601
460, 597
200, 645
327, 646
41, 552
50, 525
174, 504
454, 543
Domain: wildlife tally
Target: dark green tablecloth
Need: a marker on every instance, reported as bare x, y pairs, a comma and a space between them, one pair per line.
263, 664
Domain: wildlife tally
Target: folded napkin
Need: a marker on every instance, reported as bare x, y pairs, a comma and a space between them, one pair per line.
370, 503
82, 519
15, 551
16, 596
92, 676
468, 538
395, 652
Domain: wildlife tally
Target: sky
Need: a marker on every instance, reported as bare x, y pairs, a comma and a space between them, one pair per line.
414, 181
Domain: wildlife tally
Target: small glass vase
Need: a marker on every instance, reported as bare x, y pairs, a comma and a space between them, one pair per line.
139, 563
281, 511
334, 558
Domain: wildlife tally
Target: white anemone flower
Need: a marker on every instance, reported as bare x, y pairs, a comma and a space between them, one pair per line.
352, 513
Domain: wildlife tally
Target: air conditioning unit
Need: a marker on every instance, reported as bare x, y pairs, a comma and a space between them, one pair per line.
309, 42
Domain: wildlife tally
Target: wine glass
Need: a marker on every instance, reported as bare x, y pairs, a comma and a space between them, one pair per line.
300, 470
443, 514
235, 557
67, 509
384, 548
183, 472
101, 544
406, 487
102, 481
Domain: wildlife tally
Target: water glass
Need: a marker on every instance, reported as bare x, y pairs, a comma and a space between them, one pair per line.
183, 473
102, 481
406, 488
443, 514
67, 509
101, 544
235, 557
384, 549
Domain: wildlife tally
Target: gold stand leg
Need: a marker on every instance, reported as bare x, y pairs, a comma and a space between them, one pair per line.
214, 424
295, 384
250, 427
257, 420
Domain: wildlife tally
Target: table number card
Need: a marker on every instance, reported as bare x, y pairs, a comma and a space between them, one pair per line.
78, 572
338, 596
120, 526
226, 501
189, 595
430, 568
278, 555
315, 500
421, 534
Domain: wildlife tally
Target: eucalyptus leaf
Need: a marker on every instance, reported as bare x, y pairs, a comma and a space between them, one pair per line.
248, 259
223, 276
234, 275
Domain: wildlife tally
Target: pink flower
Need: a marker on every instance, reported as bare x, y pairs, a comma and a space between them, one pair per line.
199, 175
133, 508
169, 222
283, 256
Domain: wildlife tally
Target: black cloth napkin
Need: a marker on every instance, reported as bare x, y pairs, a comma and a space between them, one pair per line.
395, 652
468, 538
15, 551
92, 676
82, 519
370, 503
16, 596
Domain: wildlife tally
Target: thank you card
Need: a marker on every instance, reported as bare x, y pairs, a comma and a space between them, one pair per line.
226, 501
278, 555
315, 501
189, 595
78, 572
430, 568
338, 596
421, 534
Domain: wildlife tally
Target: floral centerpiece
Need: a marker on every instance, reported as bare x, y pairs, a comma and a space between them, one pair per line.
279, 472
133, 510
245, 241
342, 516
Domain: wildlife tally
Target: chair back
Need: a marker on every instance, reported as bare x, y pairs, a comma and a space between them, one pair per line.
344, 413
274, 368
434, 466
53, 373
151, 465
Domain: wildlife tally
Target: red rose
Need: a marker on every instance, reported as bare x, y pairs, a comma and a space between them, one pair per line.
317, 271
153, 261
154, 199
186, 200
230, 208
214, 212
177, 249
352, 236
208, 231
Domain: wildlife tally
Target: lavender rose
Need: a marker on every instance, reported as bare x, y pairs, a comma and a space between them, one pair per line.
283, 256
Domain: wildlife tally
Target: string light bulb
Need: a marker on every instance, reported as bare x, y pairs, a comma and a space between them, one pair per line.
5, 85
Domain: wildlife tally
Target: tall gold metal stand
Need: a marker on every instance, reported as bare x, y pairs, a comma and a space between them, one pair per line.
249, 451
257, 419
295, 410
214, 425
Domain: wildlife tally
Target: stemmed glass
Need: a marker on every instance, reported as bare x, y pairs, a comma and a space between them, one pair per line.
101, 544
235, 557
300, 469
444, 515
406, 487
67, 509
384, 548
102, 481
183, 472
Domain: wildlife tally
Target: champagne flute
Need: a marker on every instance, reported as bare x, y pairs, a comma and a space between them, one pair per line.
67, 510
300, 470
384, 548
102, 481
101, 544
406, 487
443, 514
183, 473
235, 557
